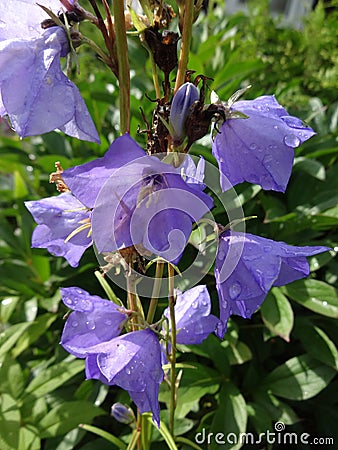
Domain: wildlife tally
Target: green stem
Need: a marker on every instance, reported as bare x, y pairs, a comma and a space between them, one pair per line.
186, 41
155, 77
123, 65
156, 291
172, 300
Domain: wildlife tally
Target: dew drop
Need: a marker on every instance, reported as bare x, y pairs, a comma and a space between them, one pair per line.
128, 371
253, 146
267, 159
108, 322
267, 248
194, 304
291, 140
324, 303
234, 290
275, 127
75, 324
90, 325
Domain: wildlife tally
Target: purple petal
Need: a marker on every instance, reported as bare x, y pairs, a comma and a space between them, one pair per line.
22, 18
134, 364
86, 180
259, 149
57, 217
246, 268
143, 197
93, 321
36, 95
194, 322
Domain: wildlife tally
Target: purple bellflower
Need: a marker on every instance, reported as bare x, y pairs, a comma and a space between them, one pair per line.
194, 322
58, 218
131, 361
138, 200
248, 266
259, 148
185, 96
34, 92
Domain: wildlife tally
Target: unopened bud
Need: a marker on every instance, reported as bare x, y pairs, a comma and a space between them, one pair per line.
122, 413
185, 96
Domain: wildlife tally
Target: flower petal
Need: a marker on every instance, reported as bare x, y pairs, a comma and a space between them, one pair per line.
57, 217
93, 321
246, 268
259, 149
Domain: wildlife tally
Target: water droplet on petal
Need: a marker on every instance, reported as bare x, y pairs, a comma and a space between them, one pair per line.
194, 304
108, 322
90, 325
324, 303
128, 371
75, 324
291, 140
267, 158
234, 290
253, 146
267, 248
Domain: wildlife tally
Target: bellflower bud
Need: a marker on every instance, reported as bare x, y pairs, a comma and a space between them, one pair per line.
122, 413
186, 95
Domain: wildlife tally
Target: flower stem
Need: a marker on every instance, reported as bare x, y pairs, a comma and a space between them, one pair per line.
123, 65
156, 291
186, 41
172, 301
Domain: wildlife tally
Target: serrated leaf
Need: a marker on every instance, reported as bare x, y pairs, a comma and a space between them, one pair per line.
315, 295
277, 314
300, 378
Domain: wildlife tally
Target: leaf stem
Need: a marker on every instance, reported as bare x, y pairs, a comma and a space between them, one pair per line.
156, 291
172, 300
123, 65
186, 41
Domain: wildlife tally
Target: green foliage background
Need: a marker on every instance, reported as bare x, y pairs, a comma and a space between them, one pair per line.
279, 366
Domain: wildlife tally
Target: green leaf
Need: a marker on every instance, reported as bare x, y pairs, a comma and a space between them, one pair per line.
164, 432
314, 295
274, 407
7, 306
230, 418
277, 314
10, 423
10, 336
11, 377
51, 378
105, 435
36, 329
194, 385
237, 353
29, 438
318, 344
300, 378
311, 167
260, 417
63, 418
